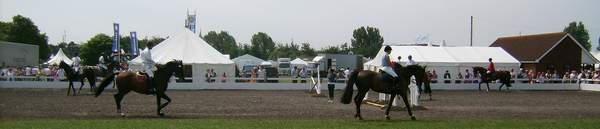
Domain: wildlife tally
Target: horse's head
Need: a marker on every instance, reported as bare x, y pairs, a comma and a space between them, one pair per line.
417, 71
176, 66
479, 70
63, 65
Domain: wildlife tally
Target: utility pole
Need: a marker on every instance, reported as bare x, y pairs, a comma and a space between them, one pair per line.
471, 31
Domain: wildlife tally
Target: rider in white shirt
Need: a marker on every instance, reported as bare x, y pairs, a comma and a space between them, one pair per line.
386, 63
146, 56
76, 63
101, 62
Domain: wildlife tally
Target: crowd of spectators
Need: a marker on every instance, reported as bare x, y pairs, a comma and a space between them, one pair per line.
10, 73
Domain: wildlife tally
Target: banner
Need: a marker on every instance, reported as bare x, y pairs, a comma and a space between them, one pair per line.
134, 43
116, 37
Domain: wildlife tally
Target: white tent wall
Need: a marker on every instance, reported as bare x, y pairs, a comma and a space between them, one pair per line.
453, 59
199, 70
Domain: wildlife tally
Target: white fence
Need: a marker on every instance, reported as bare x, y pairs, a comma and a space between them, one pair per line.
306, 84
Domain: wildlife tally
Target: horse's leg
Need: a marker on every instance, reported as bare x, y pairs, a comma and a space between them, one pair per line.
70, 87
389, 106
405, 99
500, 88
480, 85
118, 97
161, 106
82, 79
92, 80
488, 86
358, 101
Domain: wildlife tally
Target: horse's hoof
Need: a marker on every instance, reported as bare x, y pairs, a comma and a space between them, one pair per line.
161, 114
122, 114
387, 117
413, 118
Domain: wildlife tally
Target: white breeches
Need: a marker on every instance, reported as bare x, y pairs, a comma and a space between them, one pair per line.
389, 71
148, 70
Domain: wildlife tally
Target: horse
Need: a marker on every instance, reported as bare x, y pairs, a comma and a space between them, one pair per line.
503, 76
366, 80
131, 81
425, 83
85, 72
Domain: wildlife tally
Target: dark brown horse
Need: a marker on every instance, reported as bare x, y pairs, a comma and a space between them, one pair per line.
131, 81
85, 72
371, 80
503, 76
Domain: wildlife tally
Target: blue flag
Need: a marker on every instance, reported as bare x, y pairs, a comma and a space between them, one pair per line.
134, 43
116, 37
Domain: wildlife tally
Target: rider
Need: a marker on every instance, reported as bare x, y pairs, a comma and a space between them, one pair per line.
101, 62
148, 67
386, 64
76, 63
491, 68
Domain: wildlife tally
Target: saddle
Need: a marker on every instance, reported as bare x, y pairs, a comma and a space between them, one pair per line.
141, 78
388, 80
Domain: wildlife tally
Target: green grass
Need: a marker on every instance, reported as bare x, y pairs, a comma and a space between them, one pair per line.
293, 123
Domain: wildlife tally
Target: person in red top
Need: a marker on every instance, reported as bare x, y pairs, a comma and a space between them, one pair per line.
491, 68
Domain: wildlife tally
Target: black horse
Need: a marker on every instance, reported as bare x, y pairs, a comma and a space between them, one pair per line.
131, 81
371, 80
503, 76
425, 83
86, 72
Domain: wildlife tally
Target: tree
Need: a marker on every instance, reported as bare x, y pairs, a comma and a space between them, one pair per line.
23, 30
366, 41
223, 42
261, 45
342, 49
149, 42
307, 51
68, 48
580, 34
93, 48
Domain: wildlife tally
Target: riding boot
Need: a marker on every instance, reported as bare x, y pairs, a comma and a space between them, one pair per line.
151, 88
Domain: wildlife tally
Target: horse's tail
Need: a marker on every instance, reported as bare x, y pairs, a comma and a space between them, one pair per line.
508, 77
107, 80
347, 97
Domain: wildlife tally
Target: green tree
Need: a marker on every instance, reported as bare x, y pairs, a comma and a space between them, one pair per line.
23, 30
93, 48
149, 42
342, 49
4, 27
223, 42
307, 51
366, 41
580, 34
68, 48
262, 45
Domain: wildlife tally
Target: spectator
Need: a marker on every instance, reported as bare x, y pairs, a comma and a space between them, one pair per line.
331, 77
224, 78
460, 76
447, 75
347, 72
434, 74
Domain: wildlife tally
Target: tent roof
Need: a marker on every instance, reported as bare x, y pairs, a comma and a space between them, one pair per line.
60, 56
247, 57
298, 61
189, 48
447, 55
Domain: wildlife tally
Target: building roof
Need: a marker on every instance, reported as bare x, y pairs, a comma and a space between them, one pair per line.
529, 47
532, 48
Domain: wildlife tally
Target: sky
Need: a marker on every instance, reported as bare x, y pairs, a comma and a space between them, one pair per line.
319, 22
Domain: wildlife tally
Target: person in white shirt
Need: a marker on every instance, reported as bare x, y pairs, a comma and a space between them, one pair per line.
76, 63
101, 62
149, 67
410, 61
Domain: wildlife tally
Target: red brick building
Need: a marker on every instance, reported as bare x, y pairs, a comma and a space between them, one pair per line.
546, 52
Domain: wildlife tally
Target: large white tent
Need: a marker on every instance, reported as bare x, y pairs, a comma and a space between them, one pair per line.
58, 57
188, 47
299, 63
246, 60
453, 59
